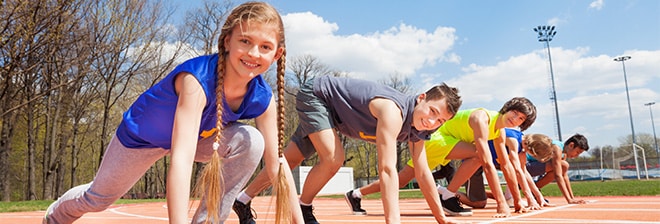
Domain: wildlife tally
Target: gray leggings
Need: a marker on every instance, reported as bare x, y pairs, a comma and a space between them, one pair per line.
122, 167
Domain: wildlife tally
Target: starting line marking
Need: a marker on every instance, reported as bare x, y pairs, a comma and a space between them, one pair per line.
114, 210
529, 214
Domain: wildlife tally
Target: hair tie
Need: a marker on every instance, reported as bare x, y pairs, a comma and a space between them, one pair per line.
282, 160
216, 146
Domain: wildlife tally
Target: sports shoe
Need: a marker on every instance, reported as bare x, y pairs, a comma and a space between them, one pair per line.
308, 214
508, 196
355, 203
507, 193
244, 212
509, 202
452, 207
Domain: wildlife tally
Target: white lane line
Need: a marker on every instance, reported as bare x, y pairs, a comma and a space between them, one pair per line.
114, 210
528, 214
580, 221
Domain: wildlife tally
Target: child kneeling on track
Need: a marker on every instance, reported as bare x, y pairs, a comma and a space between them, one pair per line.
367, 111
556, 167
518, 146
192, 115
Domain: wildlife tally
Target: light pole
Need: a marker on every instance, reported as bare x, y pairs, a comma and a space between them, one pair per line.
655, 139
623, 59
546, 33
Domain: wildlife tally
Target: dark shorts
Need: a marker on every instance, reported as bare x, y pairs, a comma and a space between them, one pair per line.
313, 115
475, 188
535, 168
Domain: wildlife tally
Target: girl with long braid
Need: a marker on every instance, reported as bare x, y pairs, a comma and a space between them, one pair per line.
192, 115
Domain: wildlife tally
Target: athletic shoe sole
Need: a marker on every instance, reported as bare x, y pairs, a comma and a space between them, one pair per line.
453, 213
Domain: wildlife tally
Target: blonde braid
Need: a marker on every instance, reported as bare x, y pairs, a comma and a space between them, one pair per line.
211, 182
283, 210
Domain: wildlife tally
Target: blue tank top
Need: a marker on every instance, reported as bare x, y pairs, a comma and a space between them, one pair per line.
148, 122
510, 133
348, 102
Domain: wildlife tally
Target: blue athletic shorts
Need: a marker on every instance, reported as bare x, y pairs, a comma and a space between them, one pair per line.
535, 168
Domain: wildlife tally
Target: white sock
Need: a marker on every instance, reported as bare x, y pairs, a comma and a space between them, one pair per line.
243, 197
446, 194
301, 203
357, 193
507, 193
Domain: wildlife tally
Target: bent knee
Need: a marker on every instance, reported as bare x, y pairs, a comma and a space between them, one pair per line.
332, 164
244, 140
249, 137
98, 203
479, 204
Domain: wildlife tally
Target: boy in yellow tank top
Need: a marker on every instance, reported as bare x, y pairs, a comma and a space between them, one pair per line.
466, 137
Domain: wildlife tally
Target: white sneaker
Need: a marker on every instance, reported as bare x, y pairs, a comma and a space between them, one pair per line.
510, 202
507, 193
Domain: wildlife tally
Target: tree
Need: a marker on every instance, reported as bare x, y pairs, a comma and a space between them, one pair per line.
56, 61
31, 27
203, 26
305, 67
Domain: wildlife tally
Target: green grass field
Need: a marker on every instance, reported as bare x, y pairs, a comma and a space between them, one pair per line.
39, 205
580, 188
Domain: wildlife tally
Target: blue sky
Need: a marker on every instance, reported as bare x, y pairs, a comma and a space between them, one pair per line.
488, 50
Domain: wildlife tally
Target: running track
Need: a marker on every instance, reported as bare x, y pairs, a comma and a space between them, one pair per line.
602, 210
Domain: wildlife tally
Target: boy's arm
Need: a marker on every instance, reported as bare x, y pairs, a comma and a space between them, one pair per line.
508, 170
570, 189
425, 180
558, 172
389, 124
479, 121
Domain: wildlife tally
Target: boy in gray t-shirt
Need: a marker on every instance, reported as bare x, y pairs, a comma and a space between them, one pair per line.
363, 110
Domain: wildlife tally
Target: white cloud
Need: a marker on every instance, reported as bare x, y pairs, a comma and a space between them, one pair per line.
598, 5
590, 88
403, 49
166, 50
556, 21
